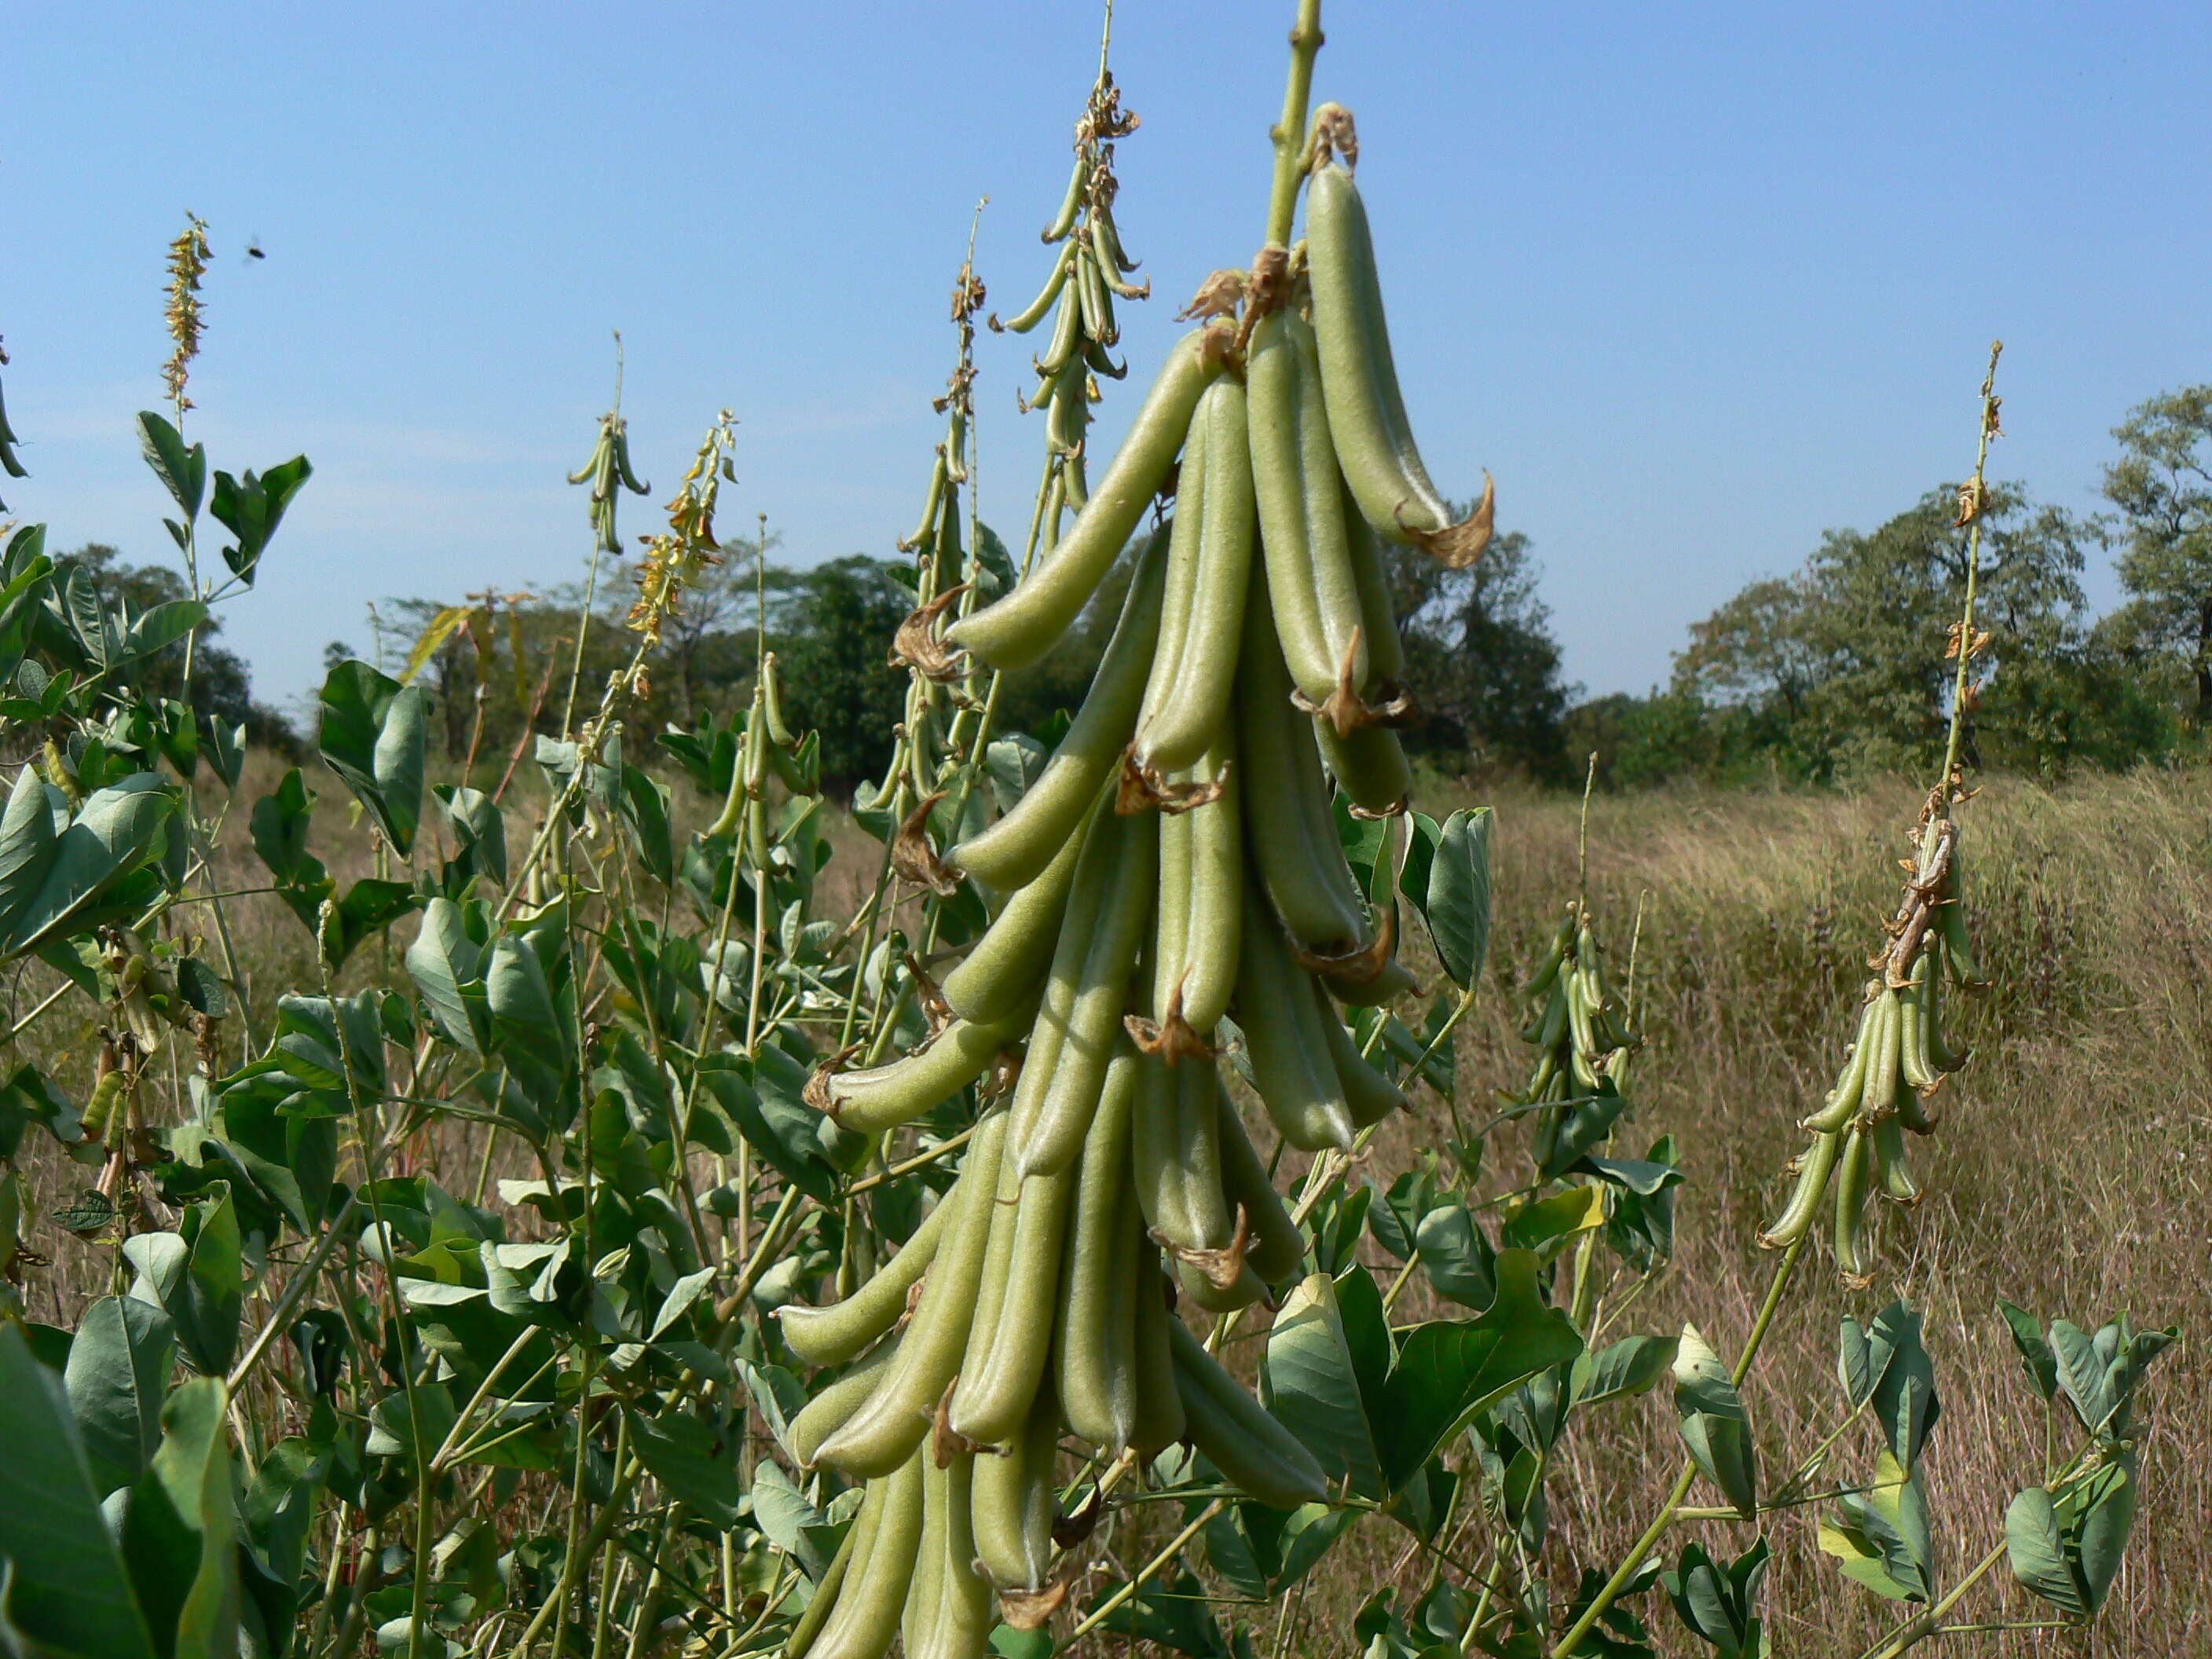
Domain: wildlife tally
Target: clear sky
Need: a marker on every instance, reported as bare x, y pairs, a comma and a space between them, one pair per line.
1696, 283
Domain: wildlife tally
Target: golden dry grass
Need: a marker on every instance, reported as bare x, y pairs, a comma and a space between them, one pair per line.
2073, 1175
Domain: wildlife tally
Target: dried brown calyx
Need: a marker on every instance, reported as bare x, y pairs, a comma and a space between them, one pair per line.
912, 856
1332, 134
1457, 546
918, 646
1346, 710
1141, 788
1221, 1268
817, 1092
1029, 1609
1362, 964
1171, 1035
947, 1442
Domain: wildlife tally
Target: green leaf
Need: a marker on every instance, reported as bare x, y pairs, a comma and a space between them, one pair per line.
2098, 1512
196, 1276
694, 1462
1721, 1603
765, 1100
1424, 835
2036, 1548
109, 839
479, 828
1455, 1255
1713, 1424
446, 964
178, 1534
1904, 1396
66, 1590
252, 507
792, 1524
1313, 1385
1449, 1370
1458, 908
1885, 1544
645, 817
118, 1374
183, 471
374, 735
1633, 1365
159, 628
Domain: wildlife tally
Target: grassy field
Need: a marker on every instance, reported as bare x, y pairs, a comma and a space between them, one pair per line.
2071, 1175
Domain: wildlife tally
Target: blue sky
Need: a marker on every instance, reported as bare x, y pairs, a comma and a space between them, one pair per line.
1695, 282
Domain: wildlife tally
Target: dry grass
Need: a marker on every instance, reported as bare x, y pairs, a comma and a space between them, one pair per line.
2071, 1176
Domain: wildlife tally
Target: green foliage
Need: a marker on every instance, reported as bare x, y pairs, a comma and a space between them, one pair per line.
2165, 557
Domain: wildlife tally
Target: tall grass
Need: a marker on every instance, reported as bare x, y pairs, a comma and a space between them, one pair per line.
2073, 1175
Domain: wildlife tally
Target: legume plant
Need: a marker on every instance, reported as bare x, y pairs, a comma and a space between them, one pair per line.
646, 1261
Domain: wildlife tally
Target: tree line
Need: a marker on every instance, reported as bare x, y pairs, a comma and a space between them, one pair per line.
1829, 671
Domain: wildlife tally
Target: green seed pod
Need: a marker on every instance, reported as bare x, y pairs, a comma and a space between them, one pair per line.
1006, 966
1366, 413
1797, 1217
1018, 629
1188, 700
884, 1432
1241, 1440
832, 1335
1015, 1499
1016, 849
1094, 1332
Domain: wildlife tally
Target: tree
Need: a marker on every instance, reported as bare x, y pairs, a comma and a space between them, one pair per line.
833, 662
2162, 484
1840, 667
1481, 660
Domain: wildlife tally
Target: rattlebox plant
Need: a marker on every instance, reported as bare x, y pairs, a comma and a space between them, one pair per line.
591, 1231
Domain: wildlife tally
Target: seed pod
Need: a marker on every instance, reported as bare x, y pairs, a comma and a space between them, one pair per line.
1797, 1217
1294, 846
1085, 995
1244, 1442
1160, 1420
867, 1614
1000, 1376
1319, 615
1187, 700
1369, 1094
1276, 1248
883, 1096
1016, 849
1019, 628
1843, 1101
1369, 766
1024, 321
832, 1335
1852, 1182
1094, 1332
1897, 1185
1006, 966
885, 1431
1366, 413
1015, 1500
1291, 1064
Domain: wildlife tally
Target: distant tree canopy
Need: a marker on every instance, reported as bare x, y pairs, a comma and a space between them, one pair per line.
2162, 486
1840, 668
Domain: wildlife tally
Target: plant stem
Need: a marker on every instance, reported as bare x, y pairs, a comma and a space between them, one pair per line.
1290, 134
1973, 574
1097, 1615
1652, 1533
